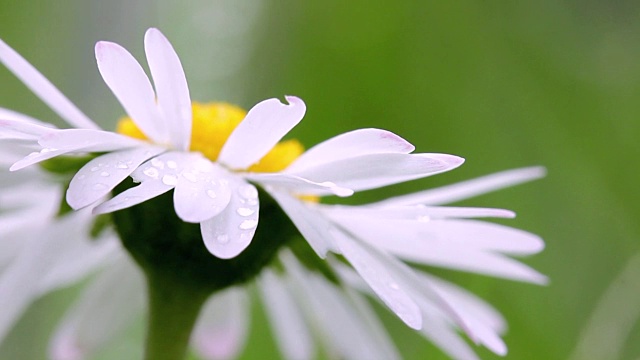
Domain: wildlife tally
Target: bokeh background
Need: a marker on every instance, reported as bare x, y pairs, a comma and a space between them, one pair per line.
503, 84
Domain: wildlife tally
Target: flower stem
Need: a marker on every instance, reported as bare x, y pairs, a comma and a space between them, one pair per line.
173, 310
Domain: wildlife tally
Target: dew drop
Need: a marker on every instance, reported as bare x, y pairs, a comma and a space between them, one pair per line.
151, 172
157, 163
172, 164
245, 211
95, 168
81, 177
212, 194
104, 174
169, 180
99, 186
122, 165
394, 286
248, 192
222, 239
248, 224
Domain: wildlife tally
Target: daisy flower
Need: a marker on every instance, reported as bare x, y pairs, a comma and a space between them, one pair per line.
212, 156
166, 148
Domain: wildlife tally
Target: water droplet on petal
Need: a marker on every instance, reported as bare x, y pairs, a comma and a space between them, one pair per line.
95, 168
104, 174
172, 164
99, 186
248, 192
81, 177
245, 211
151, 172
248, 224
122, 165
157, 163
169, 180
394, 286
222, 239
212, 194
423, 218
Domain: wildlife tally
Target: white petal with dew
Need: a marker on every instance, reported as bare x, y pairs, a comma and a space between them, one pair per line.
230, 232
298, 185
375, 273
202, 190
133, 196
313, 226
377, 170
265, 124
285, 318
105, 309
223, 324
468, 189
129, 83
171, 88
98, 177
43, 88
352, 144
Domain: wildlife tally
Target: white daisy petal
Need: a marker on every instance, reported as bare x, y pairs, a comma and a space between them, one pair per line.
129, 83
201, 194
285, 317
87, 140
171, 87
43, 88
222, 326
377, 170
133, 196
313, 226
14, 125
376, 274
36, 157
95, 318
230, 232
416, 212
265, 124
99, 176
468, 189
352, 144
298, 185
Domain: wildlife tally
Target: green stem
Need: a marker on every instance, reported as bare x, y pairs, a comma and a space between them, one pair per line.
173, 310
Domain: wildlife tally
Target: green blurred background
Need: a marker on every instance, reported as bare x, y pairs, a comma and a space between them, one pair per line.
503, 84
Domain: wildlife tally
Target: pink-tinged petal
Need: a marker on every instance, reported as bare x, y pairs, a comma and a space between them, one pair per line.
262, 128
377, 170
223, 324
14, 125
200, 196
129, 83
95, 319
468, 189
313, 226
297, 185
43, 88
230, 232
419, 213
171, 87
352, 144
376, 273
285, 317
99, 176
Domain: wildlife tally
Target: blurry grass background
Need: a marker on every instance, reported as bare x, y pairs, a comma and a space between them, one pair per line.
503, 84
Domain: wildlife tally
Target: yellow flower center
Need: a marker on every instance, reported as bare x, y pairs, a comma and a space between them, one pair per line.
212, 125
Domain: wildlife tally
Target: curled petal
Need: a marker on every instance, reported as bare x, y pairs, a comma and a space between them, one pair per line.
352, 144
262, 128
